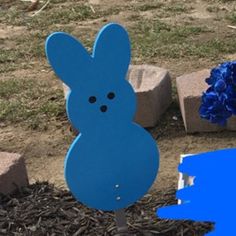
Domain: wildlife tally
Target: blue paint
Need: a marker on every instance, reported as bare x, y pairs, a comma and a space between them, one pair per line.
212, 197
114, 161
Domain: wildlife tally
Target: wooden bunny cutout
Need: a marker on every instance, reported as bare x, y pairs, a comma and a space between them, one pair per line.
113, 162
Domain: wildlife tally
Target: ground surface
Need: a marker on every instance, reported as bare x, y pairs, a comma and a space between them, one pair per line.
40, 209
182, 36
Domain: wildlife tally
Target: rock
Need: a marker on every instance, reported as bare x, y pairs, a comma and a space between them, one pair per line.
190, 88
152, 86
13, 172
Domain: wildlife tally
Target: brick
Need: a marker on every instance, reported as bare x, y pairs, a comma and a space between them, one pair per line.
190, 88
13, 172
152, 86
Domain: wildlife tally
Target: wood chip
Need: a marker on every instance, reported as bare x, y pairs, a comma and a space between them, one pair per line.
231, 26
42, 209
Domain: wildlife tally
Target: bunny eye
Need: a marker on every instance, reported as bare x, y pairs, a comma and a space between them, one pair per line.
110, 95
92, 99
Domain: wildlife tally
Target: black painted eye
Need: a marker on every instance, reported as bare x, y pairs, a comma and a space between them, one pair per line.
92, 99
111, 95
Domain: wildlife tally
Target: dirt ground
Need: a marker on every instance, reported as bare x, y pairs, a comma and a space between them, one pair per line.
193, 35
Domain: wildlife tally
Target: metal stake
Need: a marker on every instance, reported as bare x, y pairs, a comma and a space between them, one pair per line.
121, 222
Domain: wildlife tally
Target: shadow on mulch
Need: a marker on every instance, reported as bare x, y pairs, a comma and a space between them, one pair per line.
41, 209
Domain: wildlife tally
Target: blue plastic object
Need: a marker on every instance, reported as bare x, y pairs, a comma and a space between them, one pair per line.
113, 162
212, 197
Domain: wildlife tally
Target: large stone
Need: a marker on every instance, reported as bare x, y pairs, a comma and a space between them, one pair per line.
13, 172
190, 88
152, 86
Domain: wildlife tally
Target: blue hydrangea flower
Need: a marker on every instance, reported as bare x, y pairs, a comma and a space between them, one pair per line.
219, 101
220, 86
213, 108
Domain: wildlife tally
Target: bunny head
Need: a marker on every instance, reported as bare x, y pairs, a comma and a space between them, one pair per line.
100, 96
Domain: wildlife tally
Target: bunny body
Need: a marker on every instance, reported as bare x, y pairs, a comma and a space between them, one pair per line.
113, 162
108, 178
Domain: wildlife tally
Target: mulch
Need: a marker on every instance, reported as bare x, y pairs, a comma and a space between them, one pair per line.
41, 209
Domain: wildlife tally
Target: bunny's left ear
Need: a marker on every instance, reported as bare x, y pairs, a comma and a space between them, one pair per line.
112, 50
68, 58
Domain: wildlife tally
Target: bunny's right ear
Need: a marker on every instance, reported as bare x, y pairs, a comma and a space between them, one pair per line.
68, 58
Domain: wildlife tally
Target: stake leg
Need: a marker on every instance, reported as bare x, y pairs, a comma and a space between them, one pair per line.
121, 222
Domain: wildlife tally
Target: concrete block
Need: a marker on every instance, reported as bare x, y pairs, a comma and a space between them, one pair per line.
190, 88
152, 86
13, 172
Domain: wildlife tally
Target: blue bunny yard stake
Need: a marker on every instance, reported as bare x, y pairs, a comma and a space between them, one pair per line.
113, 162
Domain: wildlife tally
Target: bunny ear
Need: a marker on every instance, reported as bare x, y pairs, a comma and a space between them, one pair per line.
68, 58
112, 50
